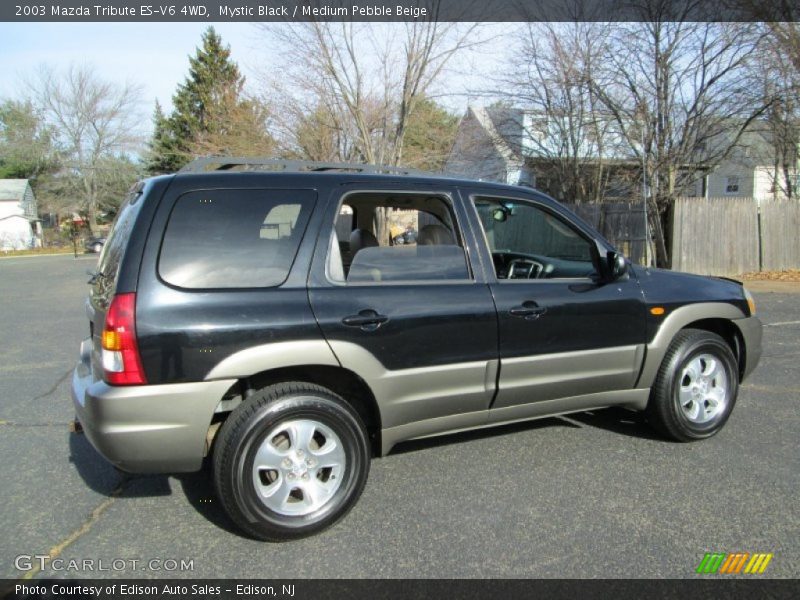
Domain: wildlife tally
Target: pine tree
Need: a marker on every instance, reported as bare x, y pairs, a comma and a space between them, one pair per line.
26, 141
210, 113
162, 157
430, 136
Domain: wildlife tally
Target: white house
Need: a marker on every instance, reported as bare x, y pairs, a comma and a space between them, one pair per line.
750, 171
19, 224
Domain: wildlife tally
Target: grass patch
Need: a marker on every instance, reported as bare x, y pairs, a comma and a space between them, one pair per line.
40, 251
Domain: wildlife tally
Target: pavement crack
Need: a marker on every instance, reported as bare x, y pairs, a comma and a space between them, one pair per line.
94, 517
55, 386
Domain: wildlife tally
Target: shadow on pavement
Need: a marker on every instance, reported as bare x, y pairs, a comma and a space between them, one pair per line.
614, 419
99, 475
102, 477
619, 420
199, 490
480, 434
198, 487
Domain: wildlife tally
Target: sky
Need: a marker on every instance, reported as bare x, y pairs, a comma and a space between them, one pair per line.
154, 55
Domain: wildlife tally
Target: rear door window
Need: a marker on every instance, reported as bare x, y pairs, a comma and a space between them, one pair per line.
398, 236
234, 238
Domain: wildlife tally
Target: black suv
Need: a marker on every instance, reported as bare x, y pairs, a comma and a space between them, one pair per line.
267, 320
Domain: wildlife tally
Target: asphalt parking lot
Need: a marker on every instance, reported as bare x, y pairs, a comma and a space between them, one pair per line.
590, 495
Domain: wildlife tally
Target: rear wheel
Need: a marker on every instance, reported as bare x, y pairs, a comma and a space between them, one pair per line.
290, 461
696, 387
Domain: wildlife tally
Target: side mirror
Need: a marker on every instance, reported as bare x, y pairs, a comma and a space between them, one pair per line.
617, 266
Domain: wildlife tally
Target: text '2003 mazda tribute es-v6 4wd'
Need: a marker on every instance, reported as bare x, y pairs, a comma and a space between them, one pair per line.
266, 320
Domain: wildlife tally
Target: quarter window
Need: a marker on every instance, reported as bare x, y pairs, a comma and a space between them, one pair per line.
234, 238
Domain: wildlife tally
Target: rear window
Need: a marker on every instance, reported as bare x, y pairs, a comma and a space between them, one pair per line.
234, 238
114, 247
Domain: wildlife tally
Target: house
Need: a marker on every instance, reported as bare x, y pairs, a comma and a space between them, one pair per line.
519, 147
751, 170
19, 224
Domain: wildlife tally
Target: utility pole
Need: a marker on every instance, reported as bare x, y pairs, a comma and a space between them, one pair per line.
644, 203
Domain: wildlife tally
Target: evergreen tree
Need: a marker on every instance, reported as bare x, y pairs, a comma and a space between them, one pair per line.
26, 141
162, 157
210, 113
430, 136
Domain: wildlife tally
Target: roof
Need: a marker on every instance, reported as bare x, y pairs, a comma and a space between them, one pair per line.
755, 146
496, 121
340, 178
13, 189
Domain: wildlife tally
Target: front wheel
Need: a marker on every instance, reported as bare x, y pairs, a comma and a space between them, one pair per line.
696, 387
290, 461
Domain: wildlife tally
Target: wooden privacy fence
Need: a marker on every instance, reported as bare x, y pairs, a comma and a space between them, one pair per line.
780, 235
621, 223
729, 236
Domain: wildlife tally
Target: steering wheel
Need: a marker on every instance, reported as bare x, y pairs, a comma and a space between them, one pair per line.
524, 268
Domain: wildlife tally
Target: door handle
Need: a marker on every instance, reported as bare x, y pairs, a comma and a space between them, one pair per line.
366, 319
529, 310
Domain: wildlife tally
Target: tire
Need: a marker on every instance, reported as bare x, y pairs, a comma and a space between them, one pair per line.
695, 388
290, 461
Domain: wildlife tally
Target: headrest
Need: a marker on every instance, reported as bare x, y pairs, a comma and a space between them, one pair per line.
435, 235
361, 238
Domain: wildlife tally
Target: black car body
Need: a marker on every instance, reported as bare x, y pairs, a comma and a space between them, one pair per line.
506, 307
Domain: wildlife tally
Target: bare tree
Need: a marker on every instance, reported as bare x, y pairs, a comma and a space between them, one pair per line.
363, 80
777, 78
94, 120
776, 75
678, 94
563, 129
357, 85
786, 36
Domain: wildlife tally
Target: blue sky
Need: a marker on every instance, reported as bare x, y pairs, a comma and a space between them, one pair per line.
155, 55
152, 54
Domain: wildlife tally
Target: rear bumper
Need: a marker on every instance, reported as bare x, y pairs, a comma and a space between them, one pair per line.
146, 428
751, 330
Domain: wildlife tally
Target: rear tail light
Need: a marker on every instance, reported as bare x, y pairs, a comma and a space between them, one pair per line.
120, 352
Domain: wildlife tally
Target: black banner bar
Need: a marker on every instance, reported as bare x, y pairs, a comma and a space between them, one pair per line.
394, 589
145, 11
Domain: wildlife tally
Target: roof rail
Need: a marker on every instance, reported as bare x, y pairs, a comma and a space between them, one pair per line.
208, 164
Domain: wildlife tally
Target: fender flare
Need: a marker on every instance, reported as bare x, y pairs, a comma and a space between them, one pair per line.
678, 319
